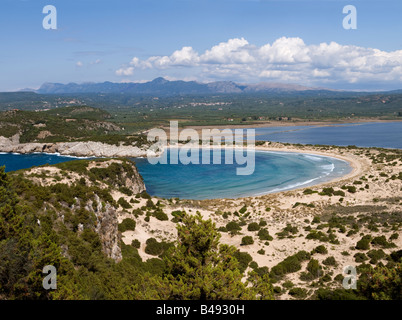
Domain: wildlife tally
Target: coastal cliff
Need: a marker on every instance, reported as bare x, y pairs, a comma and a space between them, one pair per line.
81, 195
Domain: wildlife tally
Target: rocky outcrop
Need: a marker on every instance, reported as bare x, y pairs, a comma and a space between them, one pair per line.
107, 228
78, 149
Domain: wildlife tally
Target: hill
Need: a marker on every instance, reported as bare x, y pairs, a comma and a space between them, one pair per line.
163, 87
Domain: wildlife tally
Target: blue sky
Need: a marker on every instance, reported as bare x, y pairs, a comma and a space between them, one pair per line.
241, 40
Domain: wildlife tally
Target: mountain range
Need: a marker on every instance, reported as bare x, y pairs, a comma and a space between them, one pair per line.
161, 86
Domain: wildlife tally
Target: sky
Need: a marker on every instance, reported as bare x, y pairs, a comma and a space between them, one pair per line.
246, 41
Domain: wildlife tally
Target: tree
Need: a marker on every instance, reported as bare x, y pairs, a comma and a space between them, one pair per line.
199, 268
382, 283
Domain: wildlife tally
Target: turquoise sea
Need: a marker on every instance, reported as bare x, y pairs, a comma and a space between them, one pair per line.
273, 171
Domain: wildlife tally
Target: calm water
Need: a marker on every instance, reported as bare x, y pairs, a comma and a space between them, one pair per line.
23, 161
274, 171
383, 135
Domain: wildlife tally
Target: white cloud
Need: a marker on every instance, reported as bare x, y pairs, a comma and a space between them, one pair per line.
286, 59
79, 64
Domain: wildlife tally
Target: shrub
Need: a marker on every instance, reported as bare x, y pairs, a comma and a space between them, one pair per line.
309, 191
316, 220
124, 204
339, 193
155, 248
364, 243
126, 191
360, 257
330, 261
244, 259
376, 255
160, 215
262, 223
243, 210
150, 204
314, 268
127, 224
327, 192
263, 234
261, 251
298, 293
136, 243
253, 226
290, 264
382, 242
233, 226
326, 278
288, 284
320, 249
247, 240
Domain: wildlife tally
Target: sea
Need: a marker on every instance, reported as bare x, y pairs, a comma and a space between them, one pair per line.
274, 171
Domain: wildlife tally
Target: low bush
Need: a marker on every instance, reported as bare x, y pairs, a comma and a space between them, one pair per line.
330, 261
320, 249
364, 243
126, 225
263, 234
247, 240
253, 226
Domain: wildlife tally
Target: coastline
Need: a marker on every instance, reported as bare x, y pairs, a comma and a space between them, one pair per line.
330, 123
354, 163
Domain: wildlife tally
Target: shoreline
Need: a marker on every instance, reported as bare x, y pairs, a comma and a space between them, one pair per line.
284, 123
354, 164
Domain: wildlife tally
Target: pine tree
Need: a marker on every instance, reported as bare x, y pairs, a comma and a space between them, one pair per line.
199, 268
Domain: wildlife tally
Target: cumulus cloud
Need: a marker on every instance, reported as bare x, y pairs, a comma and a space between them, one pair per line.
286, 59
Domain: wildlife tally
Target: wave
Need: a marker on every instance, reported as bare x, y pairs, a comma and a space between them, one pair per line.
313, 158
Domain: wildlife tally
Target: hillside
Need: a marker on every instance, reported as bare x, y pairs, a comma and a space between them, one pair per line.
109, 239
73, 215
161, 86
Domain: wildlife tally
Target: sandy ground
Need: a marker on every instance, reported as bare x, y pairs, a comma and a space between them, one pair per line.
383, 194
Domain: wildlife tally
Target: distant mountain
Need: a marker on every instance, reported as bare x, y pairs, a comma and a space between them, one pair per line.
161, 86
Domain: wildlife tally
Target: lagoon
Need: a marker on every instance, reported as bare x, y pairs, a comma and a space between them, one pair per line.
274, 172
371, 134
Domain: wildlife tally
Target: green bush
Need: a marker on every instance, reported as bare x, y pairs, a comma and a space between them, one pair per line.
290, 264
298, 293
126, 191
263, 234
253, 226
382, 242
364, 243
123, 203
160, 215
155, 248
127, 224
247, 240
243, 210
376, 255
360, 257
314, 268
233, 226
320, 249
136, 243
330, 261
244, 260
